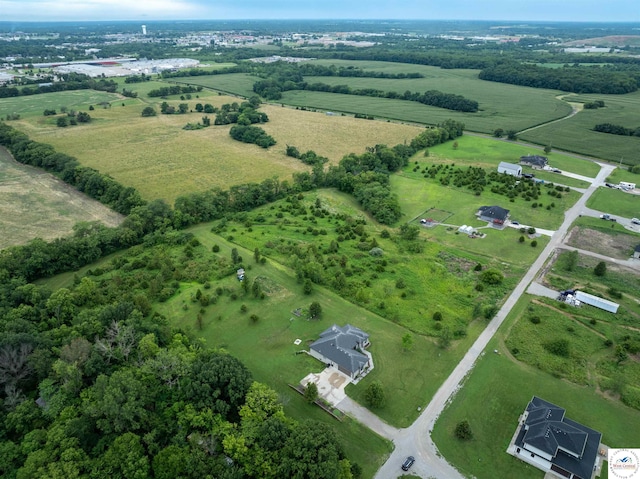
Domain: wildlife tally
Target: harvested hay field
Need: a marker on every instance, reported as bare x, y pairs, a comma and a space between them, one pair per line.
34, 204
614, 245
161, 160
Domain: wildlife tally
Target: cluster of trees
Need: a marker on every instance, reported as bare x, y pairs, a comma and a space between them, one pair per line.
245, 113
93, 384
576, 79
167, 109
310, 157
173, 90
67, 82
252, 134
593, 105
616, 129
137, 78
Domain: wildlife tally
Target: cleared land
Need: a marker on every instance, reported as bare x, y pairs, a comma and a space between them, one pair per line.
604, 241
576, 133
34, 105
161, 160
615, 202
34, 204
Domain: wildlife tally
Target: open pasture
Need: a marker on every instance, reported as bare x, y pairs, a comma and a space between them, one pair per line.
160, 159
497, 392
615, 202
232, 83
576, 133
34, 204
34, 105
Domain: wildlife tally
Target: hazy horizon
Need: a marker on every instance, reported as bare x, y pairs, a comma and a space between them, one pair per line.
614, 11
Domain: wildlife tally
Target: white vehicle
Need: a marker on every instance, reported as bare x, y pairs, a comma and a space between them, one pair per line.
635, 221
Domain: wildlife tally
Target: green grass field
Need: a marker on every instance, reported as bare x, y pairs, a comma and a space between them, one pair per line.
494, 396
232, 83
160, 159
34, 105
489, 152
615, 202
623, 174
576, 134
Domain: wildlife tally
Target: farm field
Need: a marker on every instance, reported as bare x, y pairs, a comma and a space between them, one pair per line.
494, 396
615, 202
576, 133
35, 204
161, 160
231, 83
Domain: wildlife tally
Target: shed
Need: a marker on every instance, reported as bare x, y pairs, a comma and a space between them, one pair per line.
596, 301
509, 169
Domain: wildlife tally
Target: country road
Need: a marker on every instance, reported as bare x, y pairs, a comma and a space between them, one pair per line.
416, 439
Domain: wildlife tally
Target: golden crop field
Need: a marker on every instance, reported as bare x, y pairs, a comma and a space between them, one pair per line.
161, 160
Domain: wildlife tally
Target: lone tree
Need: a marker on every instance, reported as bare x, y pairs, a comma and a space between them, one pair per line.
600, 269
374, 395
407, 342
311, 392
315, 310
463, 431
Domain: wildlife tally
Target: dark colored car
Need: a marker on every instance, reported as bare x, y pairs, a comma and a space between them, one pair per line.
408, 462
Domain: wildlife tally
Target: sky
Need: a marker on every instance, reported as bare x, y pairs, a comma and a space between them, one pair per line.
511, 10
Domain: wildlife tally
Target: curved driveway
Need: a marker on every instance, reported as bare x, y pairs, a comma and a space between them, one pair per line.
416, 439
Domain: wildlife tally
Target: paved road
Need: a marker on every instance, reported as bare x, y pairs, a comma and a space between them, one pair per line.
415, 440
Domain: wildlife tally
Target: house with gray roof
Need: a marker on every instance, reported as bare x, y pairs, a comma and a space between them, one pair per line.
495, 215
343, 347
536, 162
548, 440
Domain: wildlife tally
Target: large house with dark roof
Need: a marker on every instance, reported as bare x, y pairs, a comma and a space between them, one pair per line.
343, 348
493, 214
536, 162
555, 444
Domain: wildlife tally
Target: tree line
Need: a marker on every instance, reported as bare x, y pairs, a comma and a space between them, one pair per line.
94, 384
576, 79
69, 82
173, 90
312, 69
616, 129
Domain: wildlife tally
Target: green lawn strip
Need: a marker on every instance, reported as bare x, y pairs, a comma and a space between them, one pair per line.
576, 133
489, 152
615, 202
494, 396
463, 204
557, 179
34, 105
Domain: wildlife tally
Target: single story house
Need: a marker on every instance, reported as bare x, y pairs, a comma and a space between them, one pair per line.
536, 162
509, 169
342, 348
636, 252
549, 441
493, 214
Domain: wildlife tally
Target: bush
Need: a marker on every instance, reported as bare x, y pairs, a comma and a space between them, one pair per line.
534, 243
491, 276
437, 316
374, 395
463, 431
600, 269
535, 319
559, 347
521, 240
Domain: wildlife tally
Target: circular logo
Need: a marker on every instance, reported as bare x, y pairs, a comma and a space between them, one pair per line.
624, 464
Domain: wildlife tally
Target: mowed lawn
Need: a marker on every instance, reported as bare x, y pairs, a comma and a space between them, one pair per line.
497, 392
615, 202
160, 159
489, 152
576, 133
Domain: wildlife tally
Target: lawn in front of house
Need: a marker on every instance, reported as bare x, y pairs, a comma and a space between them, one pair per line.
615, 202
497, 392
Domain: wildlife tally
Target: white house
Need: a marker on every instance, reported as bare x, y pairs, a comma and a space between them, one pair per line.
509, 169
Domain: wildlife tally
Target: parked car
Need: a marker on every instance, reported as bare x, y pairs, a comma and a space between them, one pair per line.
528, 176
408, 462
515, 223
635, 221
556, 170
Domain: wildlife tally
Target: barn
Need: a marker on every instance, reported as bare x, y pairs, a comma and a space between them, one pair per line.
510, 169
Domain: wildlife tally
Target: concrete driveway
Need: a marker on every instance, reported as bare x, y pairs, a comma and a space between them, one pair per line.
330, 383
